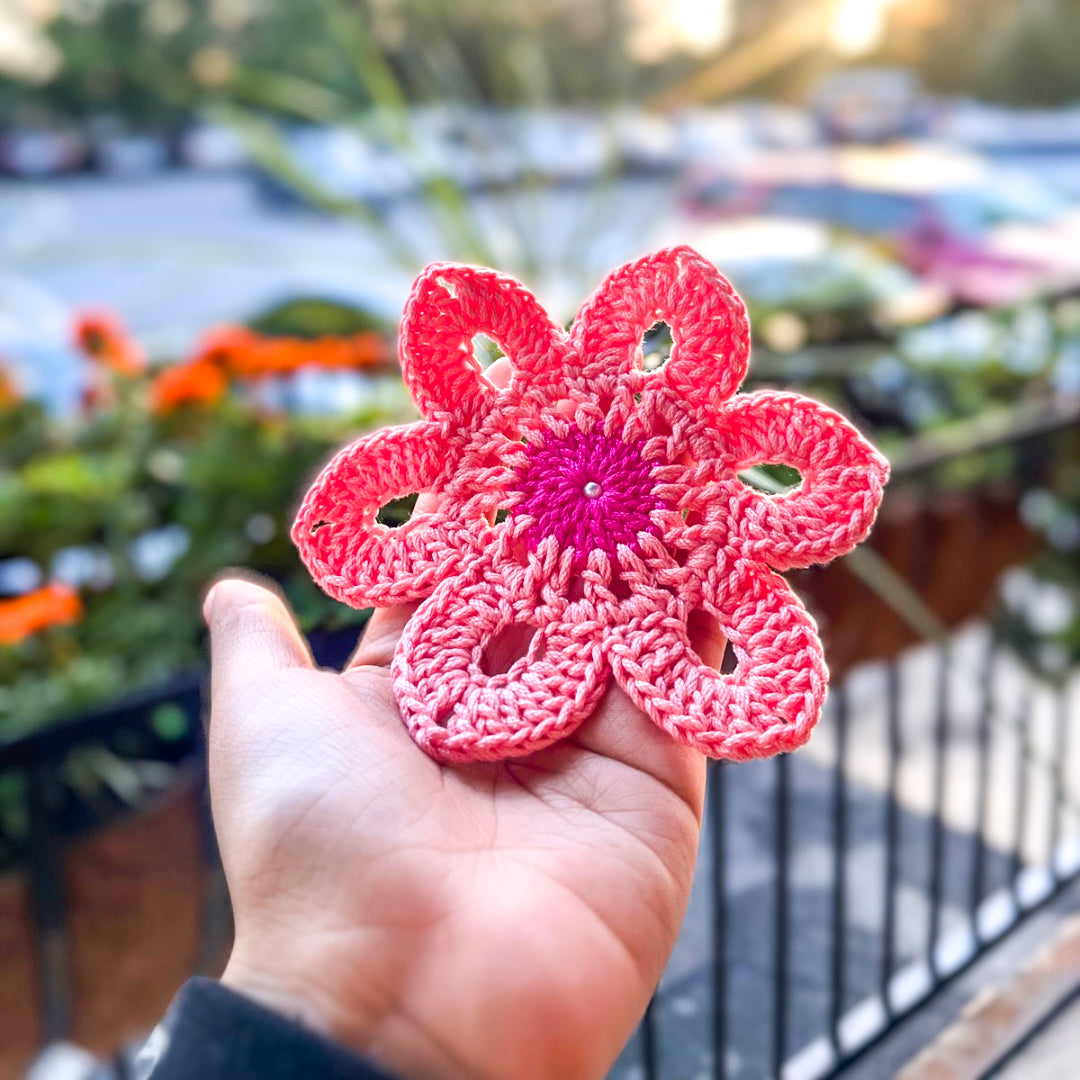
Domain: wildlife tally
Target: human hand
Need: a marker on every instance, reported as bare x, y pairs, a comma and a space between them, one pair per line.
491, 920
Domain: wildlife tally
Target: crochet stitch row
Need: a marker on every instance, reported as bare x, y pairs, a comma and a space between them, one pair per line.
599, 505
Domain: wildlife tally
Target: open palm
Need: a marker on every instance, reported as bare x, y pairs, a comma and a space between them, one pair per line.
489, 920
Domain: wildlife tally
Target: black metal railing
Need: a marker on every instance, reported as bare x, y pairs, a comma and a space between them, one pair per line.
866, 888
822, 916
45, 810
46, 805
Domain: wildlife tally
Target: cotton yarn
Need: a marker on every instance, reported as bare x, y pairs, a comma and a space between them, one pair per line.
599, 505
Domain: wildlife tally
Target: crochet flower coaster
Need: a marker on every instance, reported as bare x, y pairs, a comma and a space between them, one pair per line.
598, 504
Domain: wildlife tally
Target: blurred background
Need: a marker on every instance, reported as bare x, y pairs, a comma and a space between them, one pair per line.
211, 212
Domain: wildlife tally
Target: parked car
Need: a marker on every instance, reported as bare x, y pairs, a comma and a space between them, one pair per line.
40, 152
211, 147
647, 141
465, 146
869, 104
1044, 143
564, 146
989, 237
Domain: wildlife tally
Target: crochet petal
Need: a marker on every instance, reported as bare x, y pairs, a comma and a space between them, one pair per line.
710, 330
456, 712
351, 555
842, 479
767, 705
449, 305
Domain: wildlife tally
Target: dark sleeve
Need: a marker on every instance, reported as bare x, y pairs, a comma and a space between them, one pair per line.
212, 1033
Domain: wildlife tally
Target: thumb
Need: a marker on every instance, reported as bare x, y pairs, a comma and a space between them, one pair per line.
252, 635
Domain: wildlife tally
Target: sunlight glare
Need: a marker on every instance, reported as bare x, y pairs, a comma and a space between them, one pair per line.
663, 27
858, 25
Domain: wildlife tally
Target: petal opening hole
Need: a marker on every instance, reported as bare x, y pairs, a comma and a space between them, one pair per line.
709, 642
396, 512
730, 661
442, 716
656, 346
660, 425
771, 478
510, 644
496, 515
486, 350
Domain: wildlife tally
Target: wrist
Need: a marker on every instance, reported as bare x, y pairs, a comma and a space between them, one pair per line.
297, 1002
386, 1035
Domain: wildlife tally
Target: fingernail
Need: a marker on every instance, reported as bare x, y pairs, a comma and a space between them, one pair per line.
208, 604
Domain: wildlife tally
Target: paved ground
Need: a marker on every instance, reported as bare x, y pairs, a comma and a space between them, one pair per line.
1005, 966
1017, 1026
1052, 1054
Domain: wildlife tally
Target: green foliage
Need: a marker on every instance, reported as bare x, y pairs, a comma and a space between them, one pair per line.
1018, 52
154, 62
312, 317
208, 488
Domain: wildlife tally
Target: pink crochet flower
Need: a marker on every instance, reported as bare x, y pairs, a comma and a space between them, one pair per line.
598, 504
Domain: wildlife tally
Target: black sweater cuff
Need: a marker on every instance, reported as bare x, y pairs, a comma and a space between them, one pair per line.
212, 1033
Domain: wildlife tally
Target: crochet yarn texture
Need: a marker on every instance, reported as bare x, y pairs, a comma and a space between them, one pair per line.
598, 504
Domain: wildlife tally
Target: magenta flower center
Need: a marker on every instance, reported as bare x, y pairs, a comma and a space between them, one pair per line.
589, 491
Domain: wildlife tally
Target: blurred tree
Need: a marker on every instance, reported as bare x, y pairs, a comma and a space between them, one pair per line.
152, 62
1030, 58
1019, 52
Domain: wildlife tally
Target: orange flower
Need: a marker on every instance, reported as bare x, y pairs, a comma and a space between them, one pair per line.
52, 605
237, 352
226, 346
248, 355
197, 382
101, 336
363, 350
9, 392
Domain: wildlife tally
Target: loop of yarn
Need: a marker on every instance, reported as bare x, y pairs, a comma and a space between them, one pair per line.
599, 505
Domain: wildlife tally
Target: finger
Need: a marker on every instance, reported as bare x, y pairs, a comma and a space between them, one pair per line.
707, 638
499, 373
620, 731
252, 635
380, 637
